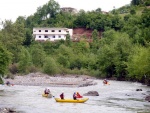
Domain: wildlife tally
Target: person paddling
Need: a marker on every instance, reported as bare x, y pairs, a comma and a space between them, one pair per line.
74, 96
105, 81
8, 83
78, 95
62, 96
46, 91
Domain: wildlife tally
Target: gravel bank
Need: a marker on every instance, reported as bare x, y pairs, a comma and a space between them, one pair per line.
40, 79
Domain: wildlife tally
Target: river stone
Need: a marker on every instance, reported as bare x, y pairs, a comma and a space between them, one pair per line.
147, 98
138, 89
7, 110
91, 93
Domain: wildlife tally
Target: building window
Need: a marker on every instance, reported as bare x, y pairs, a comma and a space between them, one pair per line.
39, 36
46, 30
54, 36
45, 36
59, 30
53, 30
39, 30
59, 36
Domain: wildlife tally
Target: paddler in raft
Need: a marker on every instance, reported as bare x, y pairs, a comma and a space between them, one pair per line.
105, 81
78, 95
46, 91
62, 96
9, 84
74, 96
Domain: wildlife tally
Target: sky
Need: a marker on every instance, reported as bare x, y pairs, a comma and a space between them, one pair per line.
11, 9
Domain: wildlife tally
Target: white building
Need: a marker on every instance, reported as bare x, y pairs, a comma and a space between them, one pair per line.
51, 34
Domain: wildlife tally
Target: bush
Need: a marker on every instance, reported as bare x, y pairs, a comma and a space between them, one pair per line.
10, 75
33, 69
1, 80
96, 73
147, 3
50, 66
132, 12
13, 68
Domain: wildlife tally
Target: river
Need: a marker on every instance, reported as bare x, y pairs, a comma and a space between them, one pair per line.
118, 97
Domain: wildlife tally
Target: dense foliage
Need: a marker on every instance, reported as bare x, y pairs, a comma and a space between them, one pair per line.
122, 51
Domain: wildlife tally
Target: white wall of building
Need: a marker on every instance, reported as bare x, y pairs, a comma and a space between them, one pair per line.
51, 34
49, 37
70, 32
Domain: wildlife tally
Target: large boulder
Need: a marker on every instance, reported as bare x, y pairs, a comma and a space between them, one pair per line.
91, 93
138, 89
7, 110
147, 98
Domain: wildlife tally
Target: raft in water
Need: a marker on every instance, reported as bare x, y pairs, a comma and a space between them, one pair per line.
72, 100
47, 95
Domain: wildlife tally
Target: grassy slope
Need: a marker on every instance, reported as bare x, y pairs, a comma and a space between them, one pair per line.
138, 9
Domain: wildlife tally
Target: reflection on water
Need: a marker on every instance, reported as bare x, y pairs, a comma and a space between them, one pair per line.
119, 97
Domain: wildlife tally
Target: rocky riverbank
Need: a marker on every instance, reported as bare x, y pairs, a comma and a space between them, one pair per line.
8, 110
40, 79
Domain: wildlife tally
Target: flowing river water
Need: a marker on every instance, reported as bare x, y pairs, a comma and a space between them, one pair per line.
118, 97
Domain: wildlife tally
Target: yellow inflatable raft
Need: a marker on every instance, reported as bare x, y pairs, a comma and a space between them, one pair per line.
72, 100
47, 95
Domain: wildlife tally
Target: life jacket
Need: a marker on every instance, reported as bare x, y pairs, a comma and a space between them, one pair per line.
78, 95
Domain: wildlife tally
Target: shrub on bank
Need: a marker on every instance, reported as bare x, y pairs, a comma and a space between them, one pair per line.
50, 67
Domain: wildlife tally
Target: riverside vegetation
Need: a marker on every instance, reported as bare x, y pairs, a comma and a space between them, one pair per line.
121, 52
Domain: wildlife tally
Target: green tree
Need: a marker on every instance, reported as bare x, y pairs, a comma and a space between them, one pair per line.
122, 44
65, 19
98, 10
113, 54
5, 59
13, 35
146, 18
50, 67
38, 55
64, 55
52, 8
136, 2
25, 61
81, 20
29, 39
147, 2
81, 47
95, 45
92, 60
139, 63
95, 35
68, 40
63, 60
132, 12
117, 22
107, 55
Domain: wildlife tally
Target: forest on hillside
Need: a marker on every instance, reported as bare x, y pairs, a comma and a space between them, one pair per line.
122, 52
